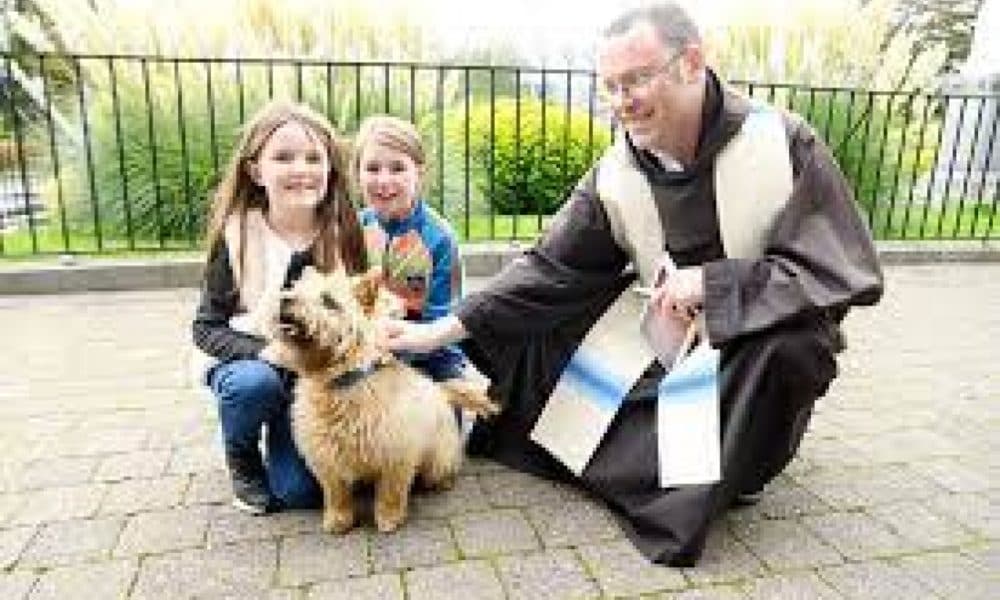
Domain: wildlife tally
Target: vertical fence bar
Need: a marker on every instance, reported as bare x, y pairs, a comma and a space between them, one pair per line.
563, 178
860, 172
439, 110
242, 91
946, 198
54, 154
831, 99
468, 90
385, 87
88, 151
946, 102
982, 181
968, 170
493, 156
519, 184
993, 211
182, 136
211, 119
590, 118
357, 95
22, 163
916, 166
539, 203
812, 103
881, 156
298, 80
329, 92
908, 108
151, 131
848, 129
119, 140
413, 93
270, 80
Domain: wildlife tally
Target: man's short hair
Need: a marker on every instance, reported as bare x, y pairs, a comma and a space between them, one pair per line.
672, 24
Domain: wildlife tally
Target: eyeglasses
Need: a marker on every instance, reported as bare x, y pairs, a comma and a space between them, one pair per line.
630, 82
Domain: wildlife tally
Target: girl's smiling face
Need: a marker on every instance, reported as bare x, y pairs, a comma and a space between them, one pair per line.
292, 167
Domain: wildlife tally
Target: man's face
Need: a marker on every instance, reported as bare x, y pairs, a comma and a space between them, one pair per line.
640, 79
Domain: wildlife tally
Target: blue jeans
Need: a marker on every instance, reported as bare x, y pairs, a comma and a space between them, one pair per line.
253, 395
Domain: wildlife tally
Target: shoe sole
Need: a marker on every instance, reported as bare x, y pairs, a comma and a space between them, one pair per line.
248, 508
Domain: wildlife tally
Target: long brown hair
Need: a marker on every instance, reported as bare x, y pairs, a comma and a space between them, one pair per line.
340, 240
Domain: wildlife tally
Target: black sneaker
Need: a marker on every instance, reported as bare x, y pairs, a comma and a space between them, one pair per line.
250, 491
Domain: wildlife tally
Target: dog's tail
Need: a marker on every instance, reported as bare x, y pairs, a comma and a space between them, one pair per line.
470, 395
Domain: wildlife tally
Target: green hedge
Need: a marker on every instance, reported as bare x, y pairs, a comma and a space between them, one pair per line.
530, 173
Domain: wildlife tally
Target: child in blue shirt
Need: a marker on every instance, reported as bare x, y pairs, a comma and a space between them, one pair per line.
412, 245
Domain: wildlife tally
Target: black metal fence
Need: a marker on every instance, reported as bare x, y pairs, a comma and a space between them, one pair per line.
120, 153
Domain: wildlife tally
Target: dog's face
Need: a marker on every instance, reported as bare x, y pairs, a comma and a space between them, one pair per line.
323, 320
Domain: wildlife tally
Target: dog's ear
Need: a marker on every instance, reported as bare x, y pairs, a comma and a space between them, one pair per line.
366, 288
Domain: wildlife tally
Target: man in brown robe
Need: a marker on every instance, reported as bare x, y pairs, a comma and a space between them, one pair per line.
775, 319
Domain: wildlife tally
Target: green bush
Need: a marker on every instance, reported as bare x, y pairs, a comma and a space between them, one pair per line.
881, 149
531, 174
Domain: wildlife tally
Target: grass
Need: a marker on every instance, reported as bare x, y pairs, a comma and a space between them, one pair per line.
16, 246
904, 223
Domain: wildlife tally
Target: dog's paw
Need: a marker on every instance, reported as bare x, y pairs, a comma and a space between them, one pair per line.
389, 521
337, 522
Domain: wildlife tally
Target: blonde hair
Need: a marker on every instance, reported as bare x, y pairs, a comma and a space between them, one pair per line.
340, 239
391, 132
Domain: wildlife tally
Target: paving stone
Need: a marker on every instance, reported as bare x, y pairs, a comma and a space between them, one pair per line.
144, 464
163, 530
228, 524
953, 576
467, 495
321, 556
72, 541
385, 586
856, 535
512, 488
59, 504
16, 585
974, 511
724, 559
706, 593
919, 526
785, 499
417, 543
89, 442
136, 495
621, 570
493, 532
237, 570
802, 585
785, 544
475, 465
94, 580
908, 445
547, 574
956, 476
873, 580
987, 554
13, 543
456, 581
196, 459
55, 472
209, 487
9, 505
573, 523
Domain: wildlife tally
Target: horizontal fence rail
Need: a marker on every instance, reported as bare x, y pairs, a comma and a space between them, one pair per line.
103, 154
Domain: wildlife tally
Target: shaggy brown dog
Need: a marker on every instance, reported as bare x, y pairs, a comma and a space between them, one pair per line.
359, 413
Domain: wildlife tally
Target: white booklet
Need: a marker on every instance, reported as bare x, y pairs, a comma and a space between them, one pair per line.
662, 330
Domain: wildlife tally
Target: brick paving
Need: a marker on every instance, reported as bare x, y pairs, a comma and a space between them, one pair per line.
111, 480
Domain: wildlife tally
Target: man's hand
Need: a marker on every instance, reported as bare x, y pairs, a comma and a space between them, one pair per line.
399, 335
681, 294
